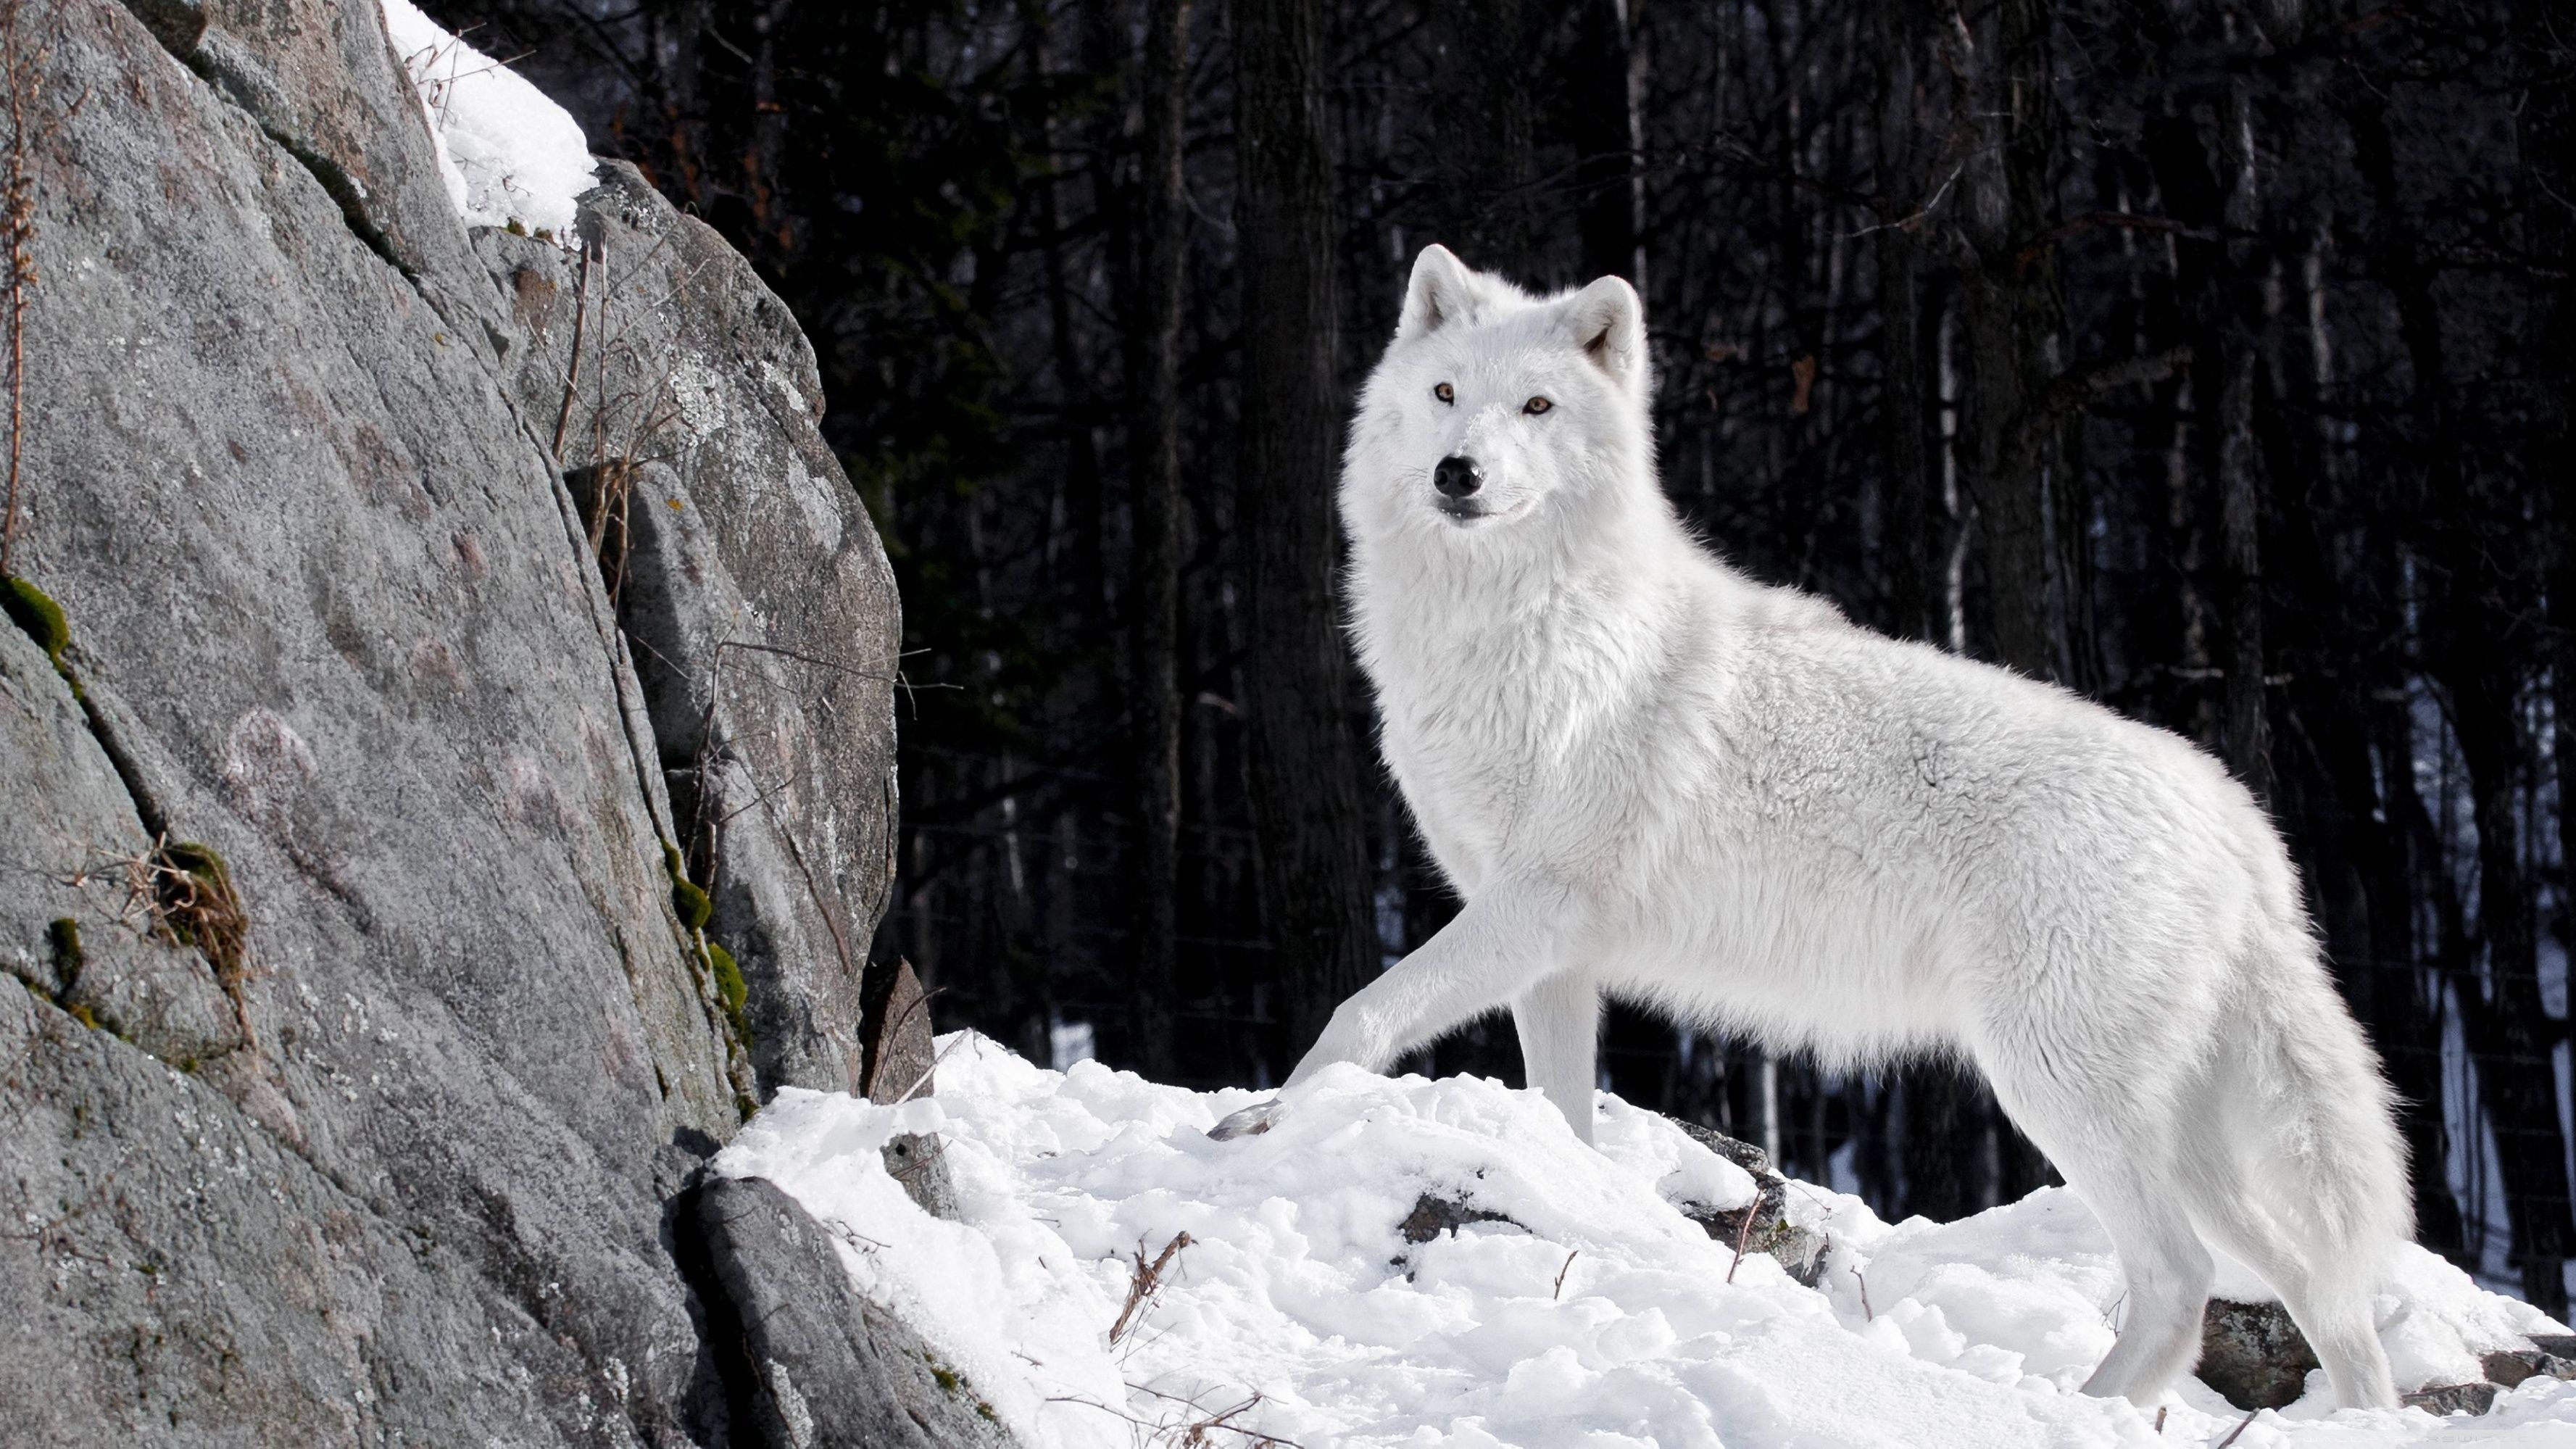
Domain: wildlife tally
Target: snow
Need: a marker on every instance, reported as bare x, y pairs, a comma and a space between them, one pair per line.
507, 153
1599, 1317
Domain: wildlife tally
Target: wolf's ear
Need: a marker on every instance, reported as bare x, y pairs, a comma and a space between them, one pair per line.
1439, 294
1607, 322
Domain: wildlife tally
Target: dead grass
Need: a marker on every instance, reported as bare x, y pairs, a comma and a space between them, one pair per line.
181, 894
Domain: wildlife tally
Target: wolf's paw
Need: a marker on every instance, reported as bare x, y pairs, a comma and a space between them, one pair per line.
1252, 1121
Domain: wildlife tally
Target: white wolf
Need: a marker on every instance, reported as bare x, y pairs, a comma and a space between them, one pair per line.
1651, 776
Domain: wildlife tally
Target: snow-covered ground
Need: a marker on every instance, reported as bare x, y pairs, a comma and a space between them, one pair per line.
1598, 1316
507, 153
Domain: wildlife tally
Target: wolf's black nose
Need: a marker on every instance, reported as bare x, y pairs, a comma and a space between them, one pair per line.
1457, 477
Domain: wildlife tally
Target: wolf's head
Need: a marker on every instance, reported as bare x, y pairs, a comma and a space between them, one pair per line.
1492, 407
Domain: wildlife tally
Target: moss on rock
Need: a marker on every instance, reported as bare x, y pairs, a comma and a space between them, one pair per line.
691, 902
731, 990
34, 610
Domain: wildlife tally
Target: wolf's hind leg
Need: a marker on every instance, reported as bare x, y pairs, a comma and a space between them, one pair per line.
2124, 1164
2168, 1273
2327, 1292
1559, 1021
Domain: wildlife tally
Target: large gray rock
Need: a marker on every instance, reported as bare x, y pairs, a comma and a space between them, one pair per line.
177, 1275
749, 580
402, 1167
816, 1365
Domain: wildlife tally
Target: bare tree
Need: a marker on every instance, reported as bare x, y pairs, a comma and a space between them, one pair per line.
1157, 595
1305, 760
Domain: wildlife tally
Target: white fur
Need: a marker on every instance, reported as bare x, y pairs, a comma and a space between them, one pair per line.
1650, 776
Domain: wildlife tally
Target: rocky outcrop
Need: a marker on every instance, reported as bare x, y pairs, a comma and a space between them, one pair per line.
820, 1366
754, 597
365, 1037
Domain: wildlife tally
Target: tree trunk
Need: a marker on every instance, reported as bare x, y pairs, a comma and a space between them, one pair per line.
1155, 442
1081, 574
1305, 764
1941, 1102
2015, 319
1937, 1098
1913, 508
1911, 551
2249, 727
1483, 116
2508, 1029
2403, 1023
1608, 134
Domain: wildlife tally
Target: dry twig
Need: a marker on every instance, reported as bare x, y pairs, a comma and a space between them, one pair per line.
580, 326
1148, 1281
1744, 1234
1192, 1433
1183, 1239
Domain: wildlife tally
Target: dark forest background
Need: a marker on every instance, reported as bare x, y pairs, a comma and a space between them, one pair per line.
2212, 359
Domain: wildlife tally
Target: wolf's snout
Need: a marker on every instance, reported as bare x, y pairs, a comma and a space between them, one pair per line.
1457, 477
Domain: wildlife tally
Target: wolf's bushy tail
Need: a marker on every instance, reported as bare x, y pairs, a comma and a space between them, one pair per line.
2323, 1196
2339, 1166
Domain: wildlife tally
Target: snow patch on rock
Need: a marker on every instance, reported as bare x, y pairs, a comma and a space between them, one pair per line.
507, 152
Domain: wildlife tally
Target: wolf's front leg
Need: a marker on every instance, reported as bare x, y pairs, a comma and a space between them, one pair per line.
1508, 937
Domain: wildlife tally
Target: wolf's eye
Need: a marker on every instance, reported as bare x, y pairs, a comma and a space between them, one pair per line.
1445, 393
1536, 405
